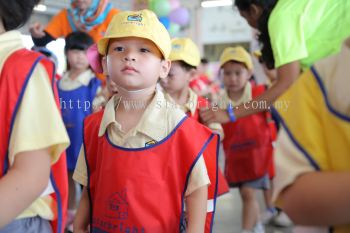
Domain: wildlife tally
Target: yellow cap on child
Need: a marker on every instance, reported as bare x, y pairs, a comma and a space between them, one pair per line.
184, 49
142, 24
238, 54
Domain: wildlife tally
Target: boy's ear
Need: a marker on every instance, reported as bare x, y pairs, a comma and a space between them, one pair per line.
165, 68
250, 72
193, 74
104, 65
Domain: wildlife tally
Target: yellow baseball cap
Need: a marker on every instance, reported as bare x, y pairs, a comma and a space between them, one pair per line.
184, 49
142, 24
236, 54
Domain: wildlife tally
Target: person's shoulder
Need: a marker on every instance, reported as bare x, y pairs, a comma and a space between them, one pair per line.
62, 14
94, 118
174, 115
114, 11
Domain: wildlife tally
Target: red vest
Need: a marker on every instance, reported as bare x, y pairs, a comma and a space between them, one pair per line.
204, 103
248, 145
14, 78
142, 189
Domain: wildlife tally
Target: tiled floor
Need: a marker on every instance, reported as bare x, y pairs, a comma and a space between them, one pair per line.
228, 215
229, 207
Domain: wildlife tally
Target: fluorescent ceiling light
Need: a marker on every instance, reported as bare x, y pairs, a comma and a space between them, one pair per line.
40, 7
216, 3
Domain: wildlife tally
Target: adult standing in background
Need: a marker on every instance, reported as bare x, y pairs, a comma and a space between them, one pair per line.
294, 35
90, 16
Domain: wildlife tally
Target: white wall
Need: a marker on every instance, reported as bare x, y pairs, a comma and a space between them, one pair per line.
223, 25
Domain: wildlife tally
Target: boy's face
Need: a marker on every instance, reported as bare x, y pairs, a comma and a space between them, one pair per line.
236, 76
178, 78
134, 63
77, 59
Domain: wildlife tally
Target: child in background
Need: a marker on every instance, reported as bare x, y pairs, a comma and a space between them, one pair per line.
32, 132
248, 142
139, 163
77, 90
185, 58
312, 150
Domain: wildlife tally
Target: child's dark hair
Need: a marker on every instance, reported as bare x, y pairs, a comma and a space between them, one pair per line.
264, 37
204, 61
78, 40
15, 13
186, 66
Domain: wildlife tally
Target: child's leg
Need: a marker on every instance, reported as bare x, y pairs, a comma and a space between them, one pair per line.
34, 224
268, 197
250, 214
72, 192
270, 212
72, 201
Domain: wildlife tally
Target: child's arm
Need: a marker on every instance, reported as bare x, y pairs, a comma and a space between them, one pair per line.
25, 181
318, 198
196, 205
82, 218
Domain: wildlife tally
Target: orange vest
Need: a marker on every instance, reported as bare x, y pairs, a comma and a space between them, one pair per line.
142, 189
15, 75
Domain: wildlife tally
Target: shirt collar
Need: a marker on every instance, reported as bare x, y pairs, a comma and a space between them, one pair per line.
152, 122
83, 78
190, 105
246, 96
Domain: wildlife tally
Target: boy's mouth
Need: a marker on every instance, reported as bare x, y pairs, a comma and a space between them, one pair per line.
129, 69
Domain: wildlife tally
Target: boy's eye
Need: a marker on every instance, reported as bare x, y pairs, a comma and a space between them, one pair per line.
144, 50
118, 48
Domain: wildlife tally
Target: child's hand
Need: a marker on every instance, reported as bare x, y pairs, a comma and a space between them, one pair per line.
213, 115
37, 30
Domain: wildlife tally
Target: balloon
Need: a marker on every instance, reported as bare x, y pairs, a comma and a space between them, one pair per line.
160, 7
180, 16
165, 21
173, 29
174, 4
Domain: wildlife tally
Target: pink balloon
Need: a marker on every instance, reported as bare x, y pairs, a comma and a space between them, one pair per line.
180, 16
174, 4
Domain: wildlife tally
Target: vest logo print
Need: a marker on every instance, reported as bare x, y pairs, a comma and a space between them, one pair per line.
117, 206
152, 142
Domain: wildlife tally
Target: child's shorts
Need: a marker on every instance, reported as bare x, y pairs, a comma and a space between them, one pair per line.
28, 225
260, 183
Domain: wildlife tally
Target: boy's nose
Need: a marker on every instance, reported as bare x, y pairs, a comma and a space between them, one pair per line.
128, 58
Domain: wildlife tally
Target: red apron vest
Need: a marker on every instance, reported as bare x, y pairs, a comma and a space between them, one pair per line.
142, 190
204, 103
248, 146
14, 77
